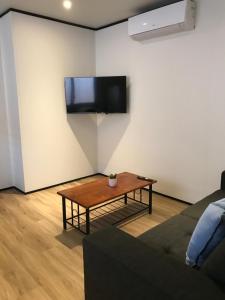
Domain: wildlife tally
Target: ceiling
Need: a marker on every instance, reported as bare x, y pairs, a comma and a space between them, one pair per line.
92, 13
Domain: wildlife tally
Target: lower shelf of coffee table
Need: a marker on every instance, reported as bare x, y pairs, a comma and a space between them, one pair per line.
107, 214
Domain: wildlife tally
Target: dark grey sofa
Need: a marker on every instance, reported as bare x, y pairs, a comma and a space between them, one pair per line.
118, 266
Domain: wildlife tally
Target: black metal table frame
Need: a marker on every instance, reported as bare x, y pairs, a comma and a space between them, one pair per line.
78, 216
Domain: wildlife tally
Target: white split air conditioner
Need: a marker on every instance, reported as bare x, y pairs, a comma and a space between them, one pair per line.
169, 19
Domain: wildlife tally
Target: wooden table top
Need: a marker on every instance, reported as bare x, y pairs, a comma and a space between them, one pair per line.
97, 192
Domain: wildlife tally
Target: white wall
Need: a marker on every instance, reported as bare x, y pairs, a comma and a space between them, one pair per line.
11, 158
56, 147
5, 165
174, 131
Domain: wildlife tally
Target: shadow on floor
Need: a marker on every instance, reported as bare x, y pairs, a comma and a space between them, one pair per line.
71, 238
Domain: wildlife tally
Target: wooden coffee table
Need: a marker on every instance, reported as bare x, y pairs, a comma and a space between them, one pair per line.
97, 195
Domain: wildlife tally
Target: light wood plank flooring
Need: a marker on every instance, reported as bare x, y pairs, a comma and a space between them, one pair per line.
38, 260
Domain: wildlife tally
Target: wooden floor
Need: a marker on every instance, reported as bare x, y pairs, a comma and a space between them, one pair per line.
38, 261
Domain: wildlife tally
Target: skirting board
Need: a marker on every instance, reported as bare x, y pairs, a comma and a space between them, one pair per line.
101, 174
170, 197
164, 195
7, 188
48, 187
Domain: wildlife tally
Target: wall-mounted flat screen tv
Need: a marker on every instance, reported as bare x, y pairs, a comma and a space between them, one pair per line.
96, 94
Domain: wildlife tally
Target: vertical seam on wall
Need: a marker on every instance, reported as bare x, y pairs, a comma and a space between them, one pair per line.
10, 33
4, 94
18, 98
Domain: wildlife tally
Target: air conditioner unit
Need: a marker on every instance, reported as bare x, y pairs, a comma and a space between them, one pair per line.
169, 19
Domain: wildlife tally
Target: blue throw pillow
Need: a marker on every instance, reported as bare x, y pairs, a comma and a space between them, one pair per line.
208, 233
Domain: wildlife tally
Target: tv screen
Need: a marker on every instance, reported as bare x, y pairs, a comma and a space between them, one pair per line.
96, 94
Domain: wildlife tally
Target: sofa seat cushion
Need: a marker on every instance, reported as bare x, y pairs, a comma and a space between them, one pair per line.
171, 237
195, 211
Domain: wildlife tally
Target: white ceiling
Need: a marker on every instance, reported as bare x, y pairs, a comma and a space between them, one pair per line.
93, 13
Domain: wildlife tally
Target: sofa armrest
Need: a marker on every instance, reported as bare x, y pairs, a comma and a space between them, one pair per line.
222, 185
118, 266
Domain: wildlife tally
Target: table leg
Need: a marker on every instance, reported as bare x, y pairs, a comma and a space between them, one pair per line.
64, 212
150, 199
87, 221
140, 195
125, 199
78, 215
71, 206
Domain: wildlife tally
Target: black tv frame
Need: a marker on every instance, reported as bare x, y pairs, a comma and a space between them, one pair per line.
99, 106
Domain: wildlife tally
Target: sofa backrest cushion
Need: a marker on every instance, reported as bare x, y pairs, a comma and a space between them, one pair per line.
215, 264
208, 233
